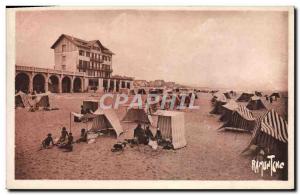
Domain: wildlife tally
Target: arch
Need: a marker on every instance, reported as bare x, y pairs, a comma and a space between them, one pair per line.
77, 85
53, 84
22, 82
66, 84
39, 83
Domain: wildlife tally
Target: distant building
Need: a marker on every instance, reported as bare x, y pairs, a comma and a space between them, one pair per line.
140, 83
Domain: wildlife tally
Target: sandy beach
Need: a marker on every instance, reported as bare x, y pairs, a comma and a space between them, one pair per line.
209, 154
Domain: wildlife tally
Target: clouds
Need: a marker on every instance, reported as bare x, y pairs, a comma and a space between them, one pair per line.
209, 49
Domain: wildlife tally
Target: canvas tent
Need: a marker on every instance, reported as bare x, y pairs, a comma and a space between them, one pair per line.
106, 120
40, 100
271, 133
219, 97
258, 93
21, 100
218, 100
255, 103
227, 110
171, 125
276, 95
245, 97
138, 114
241, 119
227, 95
92, 105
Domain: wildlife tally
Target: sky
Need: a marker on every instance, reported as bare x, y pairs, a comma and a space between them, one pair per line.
219, 49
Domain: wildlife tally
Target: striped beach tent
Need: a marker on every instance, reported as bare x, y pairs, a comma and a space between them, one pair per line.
241, 119
245, 97
271, 130
106, 119
218, 100
255, 103
271, 135
228, 109
171, 125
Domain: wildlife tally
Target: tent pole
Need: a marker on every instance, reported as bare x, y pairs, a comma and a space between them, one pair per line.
70, 122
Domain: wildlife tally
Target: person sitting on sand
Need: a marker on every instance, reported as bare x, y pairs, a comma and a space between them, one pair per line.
139, 134
83, 136
47, 141
82, 111
64, 134
69, 144
148, 133
158, 135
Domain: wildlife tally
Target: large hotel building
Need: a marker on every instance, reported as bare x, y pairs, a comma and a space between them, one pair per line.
79, 66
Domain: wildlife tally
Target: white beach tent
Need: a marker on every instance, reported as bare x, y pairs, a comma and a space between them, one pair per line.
171, 125
106, 119
21, 100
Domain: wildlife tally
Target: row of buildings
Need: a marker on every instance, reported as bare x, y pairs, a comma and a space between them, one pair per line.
79, 66
155, 83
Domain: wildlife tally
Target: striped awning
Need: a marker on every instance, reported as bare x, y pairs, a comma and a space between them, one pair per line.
245, 113
274, 125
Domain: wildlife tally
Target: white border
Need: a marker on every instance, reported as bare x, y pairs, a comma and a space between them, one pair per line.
142, 184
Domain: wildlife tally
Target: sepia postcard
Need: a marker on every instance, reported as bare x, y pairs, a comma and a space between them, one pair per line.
150, 98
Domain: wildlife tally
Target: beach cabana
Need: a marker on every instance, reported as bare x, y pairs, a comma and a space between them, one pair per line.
245, 97
91, 105
106, 119
227, 110
271, 134
171, 125
138, 114
255, 103
241, 120
21, 100
218, 100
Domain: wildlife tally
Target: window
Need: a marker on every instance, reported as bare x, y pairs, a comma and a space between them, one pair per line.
81, 52
63, 47
87, 54
109, 58
63, 59
63, 67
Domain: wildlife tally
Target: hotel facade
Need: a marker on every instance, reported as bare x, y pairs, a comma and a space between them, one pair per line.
79, 66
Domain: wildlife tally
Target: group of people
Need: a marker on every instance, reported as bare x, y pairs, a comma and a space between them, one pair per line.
65, 141
145, 136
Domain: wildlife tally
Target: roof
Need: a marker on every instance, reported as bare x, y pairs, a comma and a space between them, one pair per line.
231, 105
254, 98
90, 100
82, 43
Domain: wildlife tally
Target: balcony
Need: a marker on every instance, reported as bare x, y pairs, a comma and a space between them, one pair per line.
96, 59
